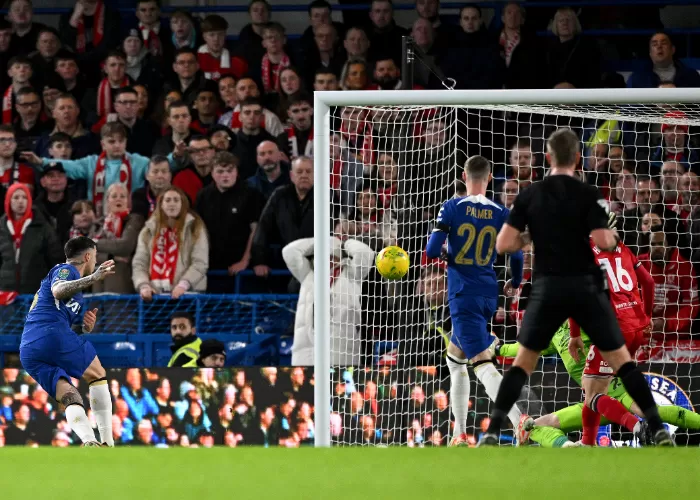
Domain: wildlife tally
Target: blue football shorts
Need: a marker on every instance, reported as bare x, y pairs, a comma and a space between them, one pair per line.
57, 354
470, 323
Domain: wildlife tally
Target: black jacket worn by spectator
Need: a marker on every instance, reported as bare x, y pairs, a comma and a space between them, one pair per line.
26, 44
28, 139
58, 215
386, 42
143, 201
526, 68
250, 45
228, 216
150, 75
474, 62
40, 250
576, 61
141, 137
262, 184
246, 151
284, 219
94, 54
189, 94
165, 145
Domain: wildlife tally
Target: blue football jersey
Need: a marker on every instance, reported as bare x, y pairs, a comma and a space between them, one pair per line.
47, 311
472, 224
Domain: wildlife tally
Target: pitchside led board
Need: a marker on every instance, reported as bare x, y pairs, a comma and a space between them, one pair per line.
273, 406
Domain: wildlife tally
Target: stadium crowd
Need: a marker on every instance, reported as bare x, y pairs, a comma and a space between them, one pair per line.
173, 407
182, 153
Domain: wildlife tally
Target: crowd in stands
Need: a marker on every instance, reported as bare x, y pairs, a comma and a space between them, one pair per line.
181, 152
173, 408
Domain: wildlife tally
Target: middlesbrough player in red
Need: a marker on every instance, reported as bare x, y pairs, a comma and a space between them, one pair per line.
625, 274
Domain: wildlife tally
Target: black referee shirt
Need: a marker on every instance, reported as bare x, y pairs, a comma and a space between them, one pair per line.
560, 212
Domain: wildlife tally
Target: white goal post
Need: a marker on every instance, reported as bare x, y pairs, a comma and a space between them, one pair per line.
595, 103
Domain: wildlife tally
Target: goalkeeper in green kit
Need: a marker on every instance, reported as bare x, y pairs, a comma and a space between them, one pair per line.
551, 430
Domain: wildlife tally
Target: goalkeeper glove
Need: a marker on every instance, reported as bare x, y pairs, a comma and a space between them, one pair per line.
612, 220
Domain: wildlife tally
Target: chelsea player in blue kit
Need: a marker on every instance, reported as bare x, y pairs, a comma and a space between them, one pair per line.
52, 352
470, 225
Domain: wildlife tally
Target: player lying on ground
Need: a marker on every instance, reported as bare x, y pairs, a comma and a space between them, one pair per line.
470, 225
52, 352
550, 430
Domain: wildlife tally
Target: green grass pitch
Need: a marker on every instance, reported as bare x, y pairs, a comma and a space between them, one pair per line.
357, 473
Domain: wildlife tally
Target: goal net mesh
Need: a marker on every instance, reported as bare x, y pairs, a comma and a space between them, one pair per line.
391, 170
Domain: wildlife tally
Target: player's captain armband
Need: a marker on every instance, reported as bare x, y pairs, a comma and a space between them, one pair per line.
441, 227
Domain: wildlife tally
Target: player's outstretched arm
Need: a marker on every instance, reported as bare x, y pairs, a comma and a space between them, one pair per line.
63, 290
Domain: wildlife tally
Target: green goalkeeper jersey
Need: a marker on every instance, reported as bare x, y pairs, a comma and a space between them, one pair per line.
560, 345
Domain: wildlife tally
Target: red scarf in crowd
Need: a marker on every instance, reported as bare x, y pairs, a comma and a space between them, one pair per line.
99, 181
508, 45
236, 124
335, 272
7, 104
104, 96
336, 174
359, 141
271, 83
386, 192
150, 38
152, 200
17, 227
11, 175
164, 258
114, 225
98, 29
294, 143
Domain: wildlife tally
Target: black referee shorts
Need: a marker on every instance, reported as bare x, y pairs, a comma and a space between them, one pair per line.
555, 299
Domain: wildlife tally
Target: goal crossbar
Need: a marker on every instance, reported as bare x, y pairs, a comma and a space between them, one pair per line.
324, 100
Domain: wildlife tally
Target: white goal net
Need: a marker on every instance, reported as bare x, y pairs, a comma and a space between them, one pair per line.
391, 168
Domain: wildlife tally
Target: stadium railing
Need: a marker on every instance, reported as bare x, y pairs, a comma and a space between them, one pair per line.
133, 333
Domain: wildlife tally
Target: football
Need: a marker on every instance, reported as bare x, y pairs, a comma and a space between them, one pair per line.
392, 263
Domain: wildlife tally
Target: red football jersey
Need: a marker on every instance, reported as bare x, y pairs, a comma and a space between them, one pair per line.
620, 266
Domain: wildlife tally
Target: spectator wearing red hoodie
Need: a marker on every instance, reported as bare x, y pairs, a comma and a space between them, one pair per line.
29, 247
676, 297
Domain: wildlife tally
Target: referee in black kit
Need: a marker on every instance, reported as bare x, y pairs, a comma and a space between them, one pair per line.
560, 213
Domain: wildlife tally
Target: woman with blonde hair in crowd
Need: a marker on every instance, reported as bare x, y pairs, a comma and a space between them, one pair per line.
354, 75
172, 255
120, 231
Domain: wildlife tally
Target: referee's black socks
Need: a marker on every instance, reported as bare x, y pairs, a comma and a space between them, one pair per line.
637, 387
509, 392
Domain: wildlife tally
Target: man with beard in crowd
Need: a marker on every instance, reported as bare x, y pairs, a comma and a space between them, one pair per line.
272, 172
186, 344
